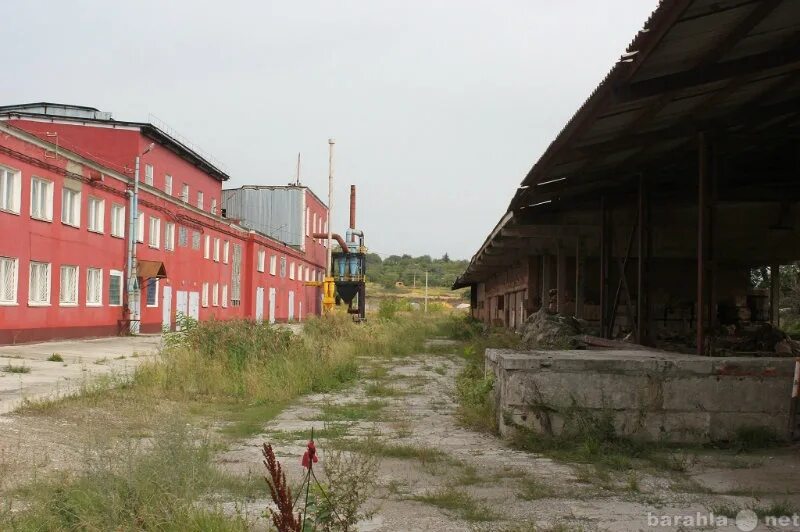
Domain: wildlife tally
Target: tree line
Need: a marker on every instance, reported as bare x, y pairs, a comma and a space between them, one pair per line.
411, 270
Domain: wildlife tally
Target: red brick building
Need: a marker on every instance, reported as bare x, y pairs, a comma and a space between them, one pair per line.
66, 176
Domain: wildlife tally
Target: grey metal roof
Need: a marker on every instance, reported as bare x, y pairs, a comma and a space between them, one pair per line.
724, 65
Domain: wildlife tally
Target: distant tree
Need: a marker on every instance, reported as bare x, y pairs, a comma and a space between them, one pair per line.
445, 257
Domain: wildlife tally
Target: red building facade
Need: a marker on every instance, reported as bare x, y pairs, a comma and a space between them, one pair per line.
65, 185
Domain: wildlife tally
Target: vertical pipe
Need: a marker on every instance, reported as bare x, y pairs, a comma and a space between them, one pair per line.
702, 193
603, 267
352, 206
641, 263
775, 295
133, 217
331, 142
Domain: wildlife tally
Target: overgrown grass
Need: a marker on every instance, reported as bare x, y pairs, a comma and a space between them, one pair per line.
474, 386
424, 454
458, 502
367, 411
55, 357
164, 487
585, 437
380, 389
258, 363
13, 368
240, 374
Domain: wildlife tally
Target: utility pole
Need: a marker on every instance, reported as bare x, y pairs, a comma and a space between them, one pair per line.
426, 291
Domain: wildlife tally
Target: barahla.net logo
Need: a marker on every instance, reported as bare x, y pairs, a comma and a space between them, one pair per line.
745, 520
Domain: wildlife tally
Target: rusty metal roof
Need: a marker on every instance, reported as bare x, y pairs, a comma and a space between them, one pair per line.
696, 65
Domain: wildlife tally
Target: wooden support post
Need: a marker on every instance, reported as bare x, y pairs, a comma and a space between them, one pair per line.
579, 279
603, 286
534, 286
641, 273
561, 278
547, 275
702, 239
775, 295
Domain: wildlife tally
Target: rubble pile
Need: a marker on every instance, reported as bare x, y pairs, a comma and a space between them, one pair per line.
547, 330
757, 339
761, 338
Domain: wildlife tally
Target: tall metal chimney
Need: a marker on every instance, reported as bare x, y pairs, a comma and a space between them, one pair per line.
352, 206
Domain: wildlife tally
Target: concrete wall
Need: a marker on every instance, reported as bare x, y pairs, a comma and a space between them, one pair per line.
651, 395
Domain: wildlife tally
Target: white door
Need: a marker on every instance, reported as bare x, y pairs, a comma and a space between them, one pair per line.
272, 305
291, 305
166, 308
194, 305
181, 307
259, 304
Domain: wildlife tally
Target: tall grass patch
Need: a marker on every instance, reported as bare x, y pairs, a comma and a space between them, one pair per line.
166, 486
261, 363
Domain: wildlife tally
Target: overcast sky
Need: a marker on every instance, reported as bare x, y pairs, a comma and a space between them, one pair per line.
439, 109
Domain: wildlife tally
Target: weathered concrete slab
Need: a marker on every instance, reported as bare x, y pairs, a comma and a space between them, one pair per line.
656, 395
84, 360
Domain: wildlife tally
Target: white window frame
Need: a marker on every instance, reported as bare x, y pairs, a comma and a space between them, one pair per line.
12, 264
213, 205
299, 272
95, 217
226, 251
71, 300
261, 259
215, 295
10, 189
308, 220
200, 199
224, 296
117, 220
154, 240
283, 267
273, 264
291, 270
169, 236
94, 283
70, 210
204, 296
207, 247
216, 249
185, 193
140, 227
155, 299
121, 275
168, 184
44, 187
48, 269
148, 174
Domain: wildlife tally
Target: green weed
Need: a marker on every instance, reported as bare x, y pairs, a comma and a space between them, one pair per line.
458, 502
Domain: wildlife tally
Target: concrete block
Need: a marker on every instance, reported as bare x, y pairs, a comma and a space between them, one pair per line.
726, 394
676, 398
724, 425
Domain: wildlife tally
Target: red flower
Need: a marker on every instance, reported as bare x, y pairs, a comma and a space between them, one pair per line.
310, 456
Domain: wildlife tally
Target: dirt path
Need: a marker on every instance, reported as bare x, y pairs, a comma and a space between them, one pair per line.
436, 475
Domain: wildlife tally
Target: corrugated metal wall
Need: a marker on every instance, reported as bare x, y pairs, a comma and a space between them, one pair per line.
276, 212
